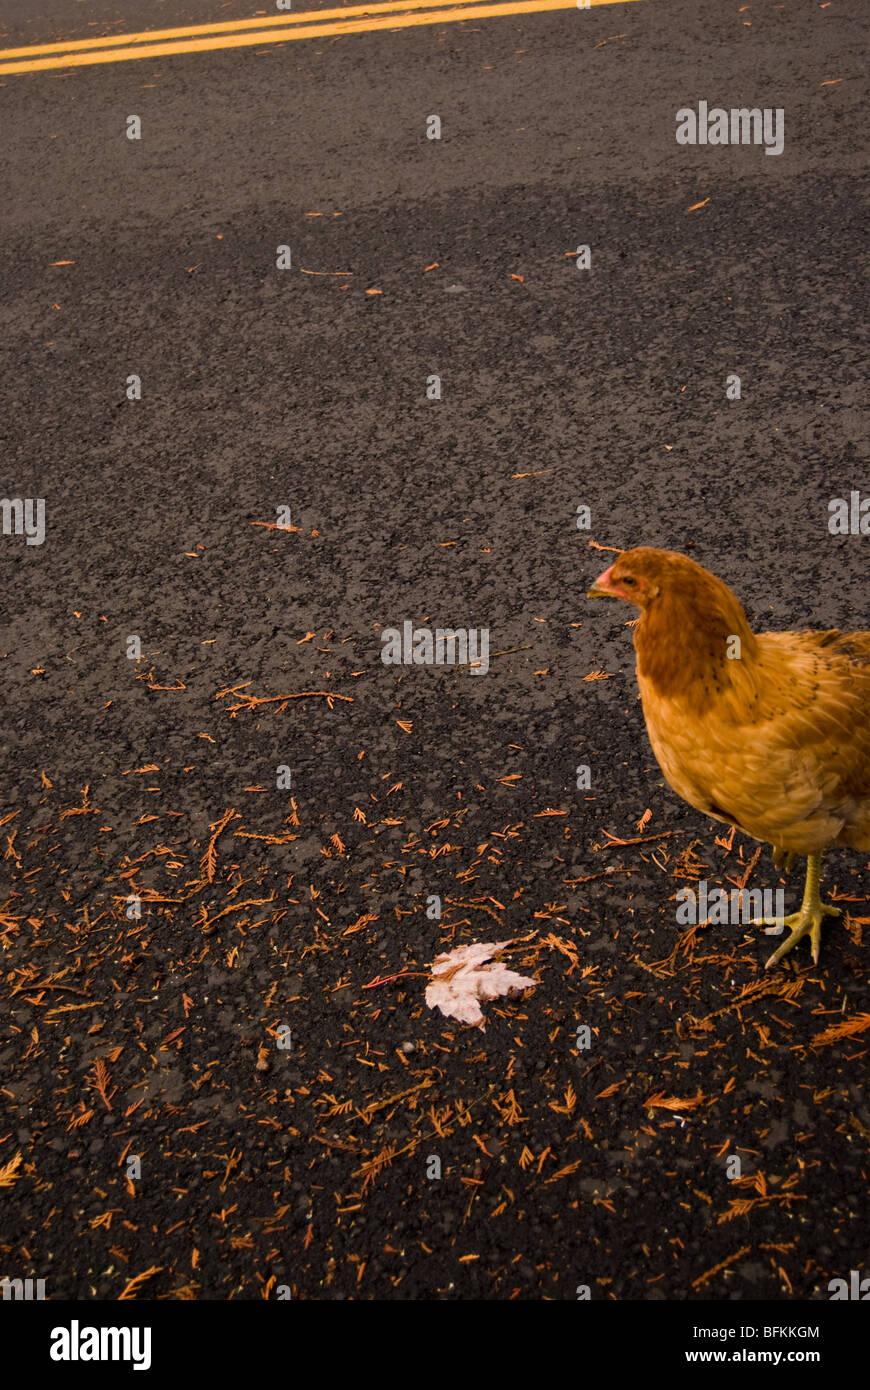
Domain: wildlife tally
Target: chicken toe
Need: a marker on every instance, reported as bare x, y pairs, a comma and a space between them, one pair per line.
784, 859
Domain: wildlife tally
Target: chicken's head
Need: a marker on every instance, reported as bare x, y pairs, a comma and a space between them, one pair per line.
638, 576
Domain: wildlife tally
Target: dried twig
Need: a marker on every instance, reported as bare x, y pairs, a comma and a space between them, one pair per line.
9, 1172
372, 984
702, 1278
101, 1081
251, 702
847, 1029
208, 863
132, 1287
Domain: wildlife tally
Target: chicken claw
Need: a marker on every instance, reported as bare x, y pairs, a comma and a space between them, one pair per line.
806, 922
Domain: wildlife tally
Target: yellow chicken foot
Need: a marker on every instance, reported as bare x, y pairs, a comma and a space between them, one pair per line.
806, 922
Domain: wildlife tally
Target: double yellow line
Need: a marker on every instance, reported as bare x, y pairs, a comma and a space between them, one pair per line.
245, 33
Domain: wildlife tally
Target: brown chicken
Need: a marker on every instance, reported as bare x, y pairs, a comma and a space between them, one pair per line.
767, 731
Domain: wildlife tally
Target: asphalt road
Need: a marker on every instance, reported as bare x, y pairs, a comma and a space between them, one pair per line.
307, 388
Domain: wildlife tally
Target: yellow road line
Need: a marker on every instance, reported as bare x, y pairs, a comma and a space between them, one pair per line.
227, 26
309, 25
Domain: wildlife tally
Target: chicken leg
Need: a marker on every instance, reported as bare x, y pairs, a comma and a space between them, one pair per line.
806, 922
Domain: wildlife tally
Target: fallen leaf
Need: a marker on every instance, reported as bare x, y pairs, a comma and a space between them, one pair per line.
461, 978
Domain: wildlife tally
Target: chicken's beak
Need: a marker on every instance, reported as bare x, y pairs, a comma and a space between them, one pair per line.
600, 587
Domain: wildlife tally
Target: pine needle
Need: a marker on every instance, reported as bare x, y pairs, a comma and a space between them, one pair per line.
847, 1029
9, 1173
133, 1286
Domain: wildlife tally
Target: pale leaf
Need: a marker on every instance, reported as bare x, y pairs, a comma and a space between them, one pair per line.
462, 978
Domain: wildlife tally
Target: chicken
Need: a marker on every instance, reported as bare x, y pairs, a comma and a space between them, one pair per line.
767, 731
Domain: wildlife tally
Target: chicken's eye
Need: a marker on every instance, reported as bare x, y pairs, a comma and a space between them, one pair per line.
629, 582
